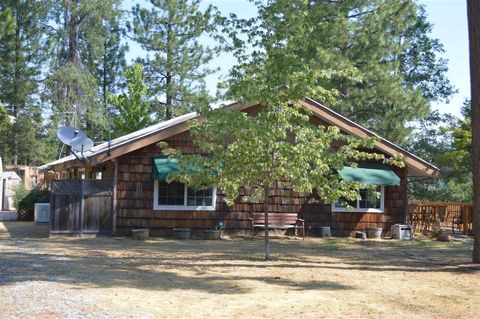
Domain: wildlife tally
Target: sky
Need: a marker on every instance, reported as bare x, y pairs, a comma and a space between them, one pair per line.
449, 19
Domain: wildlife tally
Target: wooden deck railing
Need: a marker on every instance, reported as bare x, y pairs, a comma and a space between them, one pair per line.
454, 216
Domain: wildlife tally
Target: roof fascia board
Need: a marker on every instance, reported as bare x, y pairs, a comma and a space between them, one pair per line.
140, 142
355, 129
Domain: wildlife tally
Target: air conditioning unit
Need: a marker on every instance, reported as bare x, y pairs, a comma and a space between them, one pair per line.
42, 212
402, 232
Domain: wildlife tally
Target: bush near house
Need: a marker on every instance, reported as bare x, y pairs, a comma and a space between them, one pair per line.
26, 201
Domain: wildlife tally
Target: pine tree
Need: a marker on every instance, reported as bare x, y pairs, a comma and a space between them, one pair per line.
73, 87
22, 57
473, 9
108, 61
384, 46
175, 72
401, 72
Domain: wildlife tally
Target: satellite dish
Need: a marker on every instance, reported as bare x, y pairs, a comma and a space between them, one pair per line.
67, 134
81, 144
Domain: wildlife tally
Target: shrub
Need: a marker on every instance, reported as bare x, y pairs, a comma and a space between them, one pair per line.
26, 201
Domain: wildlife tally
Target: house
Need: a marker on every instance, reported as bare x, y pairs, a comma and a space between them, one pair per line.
142, 198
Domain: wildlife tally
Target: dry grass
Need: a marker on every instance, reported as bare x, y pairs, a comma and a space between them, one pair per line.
315, 278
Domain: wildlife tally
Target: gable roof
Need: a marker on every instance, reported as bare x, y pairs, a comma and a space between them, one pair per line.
155, 133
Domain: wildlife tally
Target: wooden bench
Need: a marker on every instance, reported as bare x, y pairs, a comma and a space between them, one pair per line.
277, 221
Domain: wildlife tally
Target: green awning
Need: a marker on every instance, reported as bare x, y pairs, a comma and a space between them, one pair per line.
162, 166
371, 173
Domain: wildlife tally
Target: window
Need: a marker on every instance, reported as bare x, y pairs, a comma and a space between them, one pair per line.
178, 196
98, 175
81, 173
369, 202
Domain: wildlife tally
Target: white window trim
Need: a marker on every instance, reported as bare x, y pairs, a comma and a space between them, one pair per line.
364, 210
185, 206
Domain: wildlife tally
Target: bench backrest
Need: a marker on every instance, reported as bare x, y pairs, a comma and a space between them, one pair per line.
276, 218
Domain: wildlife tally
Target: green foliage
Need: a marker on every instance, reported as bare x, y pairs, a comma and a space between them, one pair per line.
373, 61
445, 141
22, 58
132, 108
279, 143
176, 71
27, 199
21, 193
7, 22
78, 48
107, 62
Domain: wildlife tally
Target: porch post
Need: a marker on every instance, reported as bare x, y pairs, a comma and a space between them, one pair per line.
114, 196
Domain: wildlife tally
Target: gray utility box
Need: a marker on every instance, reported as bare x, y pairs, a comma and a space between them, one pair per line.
402, 232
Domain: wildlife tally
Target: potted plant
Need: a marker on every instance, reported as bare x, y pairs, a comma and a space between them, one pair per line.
216, 233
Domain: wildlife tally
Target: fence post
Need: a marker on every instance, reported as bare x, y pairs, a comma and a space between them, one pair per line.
466, 220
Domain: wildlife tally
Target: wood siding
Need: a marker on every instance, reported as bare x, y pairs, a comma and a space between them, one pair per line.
135, 202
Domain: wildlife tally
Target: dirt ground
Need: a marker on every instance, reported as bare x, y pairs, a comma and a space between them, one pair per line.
160, 278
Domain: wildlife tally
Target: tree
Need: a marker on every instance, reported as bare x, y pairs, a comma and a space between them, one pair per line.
400, 65
22, 57
78, 34
473, 9
432, 138
396, 69
133, 110
176, 71
279, 143
108, 61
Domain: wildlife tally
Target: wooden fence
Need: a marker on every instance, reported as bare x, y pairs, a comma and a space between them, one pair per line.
81, 207
454, 216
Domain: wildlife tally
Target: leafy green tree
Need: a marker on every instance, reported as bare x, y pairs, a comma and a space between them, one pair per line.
171, 32
22, 57
277, 144
132, 108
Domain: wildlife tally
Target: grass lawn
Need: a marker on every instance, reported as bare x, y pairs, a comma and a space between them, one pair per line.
159, 278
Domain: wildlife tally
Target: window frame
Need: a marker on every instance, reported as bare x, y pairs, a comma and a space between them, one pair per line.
363, 210
184, 207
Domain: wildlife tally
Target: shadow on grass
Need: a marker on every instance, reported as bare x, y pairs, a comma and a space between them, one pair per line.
169, 264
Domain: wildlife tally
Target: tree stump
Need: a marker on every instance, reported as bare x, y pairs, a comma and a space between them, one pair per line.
140, 234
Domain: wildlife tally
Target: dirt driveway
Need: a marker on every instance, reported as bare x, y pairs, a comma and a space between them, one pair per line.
315, 278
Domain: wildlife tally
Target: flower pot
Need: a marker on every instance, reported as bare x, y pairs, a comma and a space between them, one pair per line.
323, 231
361, 234
374, 232
182, 233
212, 234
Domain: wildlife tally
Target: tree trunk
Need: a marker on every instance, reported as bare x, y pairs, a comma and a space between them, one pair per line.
266, 197
168, 105
473, 9
16, 100
169, 73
